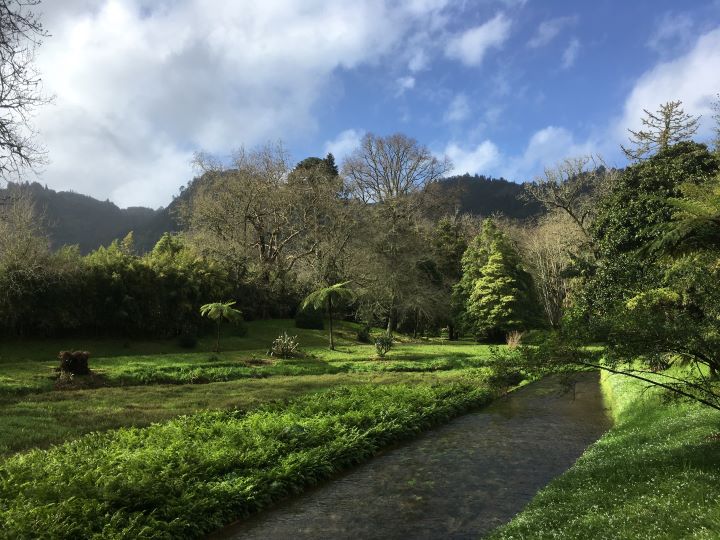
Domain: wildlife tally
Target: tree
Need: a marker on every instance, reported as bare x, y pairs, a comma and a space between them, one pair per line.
667, 126
325, 297
385, 169
219, 312
716, 127
499, 294
572, 187
551, 249
20, 85
392, 176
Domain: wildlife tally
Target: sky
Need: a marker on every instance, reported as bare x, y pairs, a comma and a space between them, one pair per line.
504, 88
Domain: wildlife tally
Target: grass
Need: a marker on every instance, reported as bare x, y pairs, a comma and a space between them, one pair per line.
655, 475
28, 367
37, 421
191, 475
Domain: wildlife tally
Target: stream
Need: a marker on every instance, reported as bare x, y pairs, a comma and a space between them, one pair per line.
458, 481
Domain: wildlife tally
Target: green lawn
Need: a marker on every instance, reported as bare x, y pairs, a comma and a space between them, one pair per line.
28, 367
136, 388
655, 475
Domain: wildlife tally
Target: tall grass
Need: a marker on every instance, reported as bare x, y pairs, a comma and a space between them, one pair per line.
189, 476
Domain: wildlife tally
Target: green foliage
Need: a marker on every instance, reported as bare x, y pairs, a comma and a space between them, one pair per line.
334, 295
189, 476
363, 334
310, 319
498, 293
383, 344
219, 312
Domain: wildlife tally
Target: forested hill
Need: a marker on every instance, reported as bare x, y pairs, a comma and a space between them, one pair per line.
484, 196
72, 218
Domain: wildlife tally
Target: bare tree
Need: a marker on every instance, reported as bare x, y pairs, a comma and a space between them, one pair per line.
667, 126
386, 168
21, 32
572, 187
548, 249
392, 175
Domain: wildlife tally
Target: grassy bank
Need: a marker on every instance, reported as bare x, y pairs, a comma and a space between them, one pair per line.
191, 475
656, 474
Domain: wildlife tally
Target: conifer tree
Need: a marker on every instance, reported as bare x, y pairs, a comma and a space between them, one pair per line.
667, 126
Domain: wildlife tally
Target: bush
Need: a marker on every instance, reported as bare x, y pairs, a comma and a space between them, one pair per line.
75, 362
383, 344
514, 339
285, 346
309, 319
363, 334
239, 328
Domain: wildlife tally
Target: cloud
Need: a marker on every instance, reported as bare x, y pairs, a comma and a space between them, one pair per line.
471, 46
458, 110
404, 84
689, 78
477, 160
674, 32
141, 85
548, 30
344, 144
571, 53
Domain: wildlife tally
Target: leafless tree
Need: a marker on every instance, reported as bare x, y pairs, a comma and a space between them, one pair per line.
387, 168
666, 126
573, 187
21, 32
716, 126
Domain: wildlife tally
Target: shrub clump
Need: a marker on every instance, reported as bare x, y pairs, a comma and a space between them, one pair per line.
285, 346
74, 362
383, 344
363, 334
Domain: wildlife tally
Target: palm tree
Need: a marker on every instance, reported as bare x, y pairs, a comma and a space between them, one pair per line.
326, 296
219, 311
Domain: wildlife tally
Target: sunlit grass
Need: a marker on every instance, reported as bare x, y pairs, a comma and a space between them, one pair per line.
656, 474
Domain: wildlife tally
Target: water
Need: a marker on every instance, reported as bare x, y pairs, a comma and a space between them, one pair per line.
458, 481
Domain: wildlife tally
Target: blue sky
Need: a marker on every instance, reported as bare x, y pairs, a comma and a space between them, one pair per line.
504, 88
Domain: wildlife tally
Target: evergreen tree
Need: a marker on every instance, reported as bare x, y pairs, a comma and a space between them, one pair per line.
500, 296
667, 126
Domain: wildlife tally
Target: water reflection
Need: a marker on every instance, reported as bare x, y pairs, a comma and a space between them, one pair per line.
459, 481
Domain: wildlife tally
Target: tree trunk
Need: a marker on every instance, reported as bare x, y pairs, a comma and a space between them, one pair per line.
330, 313
217, 340
451, 332
391, 322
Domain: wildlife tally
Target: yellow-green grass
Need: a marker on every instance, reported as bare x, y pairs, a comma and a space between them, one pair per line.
655, 474
37, 421
28, 367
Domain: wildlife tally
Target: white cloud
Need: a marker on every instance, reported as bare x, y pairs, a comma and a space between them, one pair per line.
344, 144
548, 30
458, 110
418, 61
478, 160
141, 84
674, 32
571, 53
692, 78
404, 84
471, 46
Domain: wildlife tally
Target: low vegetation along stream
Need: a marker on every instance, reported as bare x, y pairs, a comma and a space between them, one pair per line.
458, 481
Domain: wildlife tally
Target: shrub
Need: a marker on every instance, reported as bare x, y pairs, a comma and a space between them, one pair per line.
363, 334
75, 362
284, 346
383, 344
309, 319
239, 328
514, 339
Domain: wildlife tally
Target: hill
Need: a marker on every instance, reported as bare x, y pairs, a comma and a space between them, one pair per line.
72, 218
